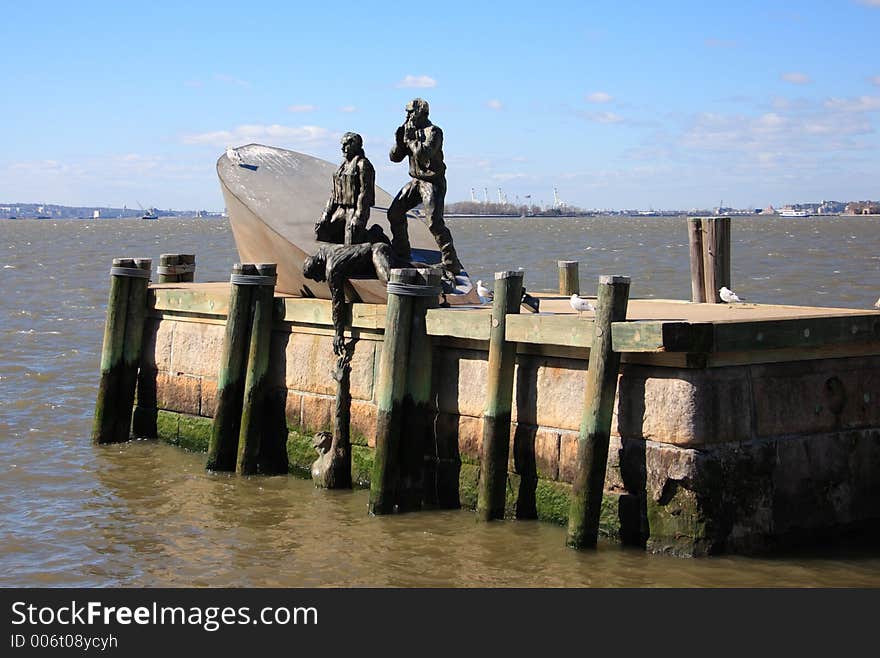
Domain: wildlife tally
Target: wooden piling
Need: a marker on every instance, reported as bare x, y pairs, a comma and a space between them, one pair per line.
107, 403
390, 385
174, 268
135, 315
254, 416
595, 429
716, 256
223, 446
695, 249
418, 410
495, 448
569, 281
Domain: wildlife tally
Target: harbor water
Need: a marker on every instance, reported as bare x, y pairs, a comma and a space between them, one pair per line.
144, 514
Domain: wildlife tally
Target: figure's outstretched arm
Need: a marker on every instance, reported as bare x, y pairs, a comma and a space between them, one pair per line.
337, 304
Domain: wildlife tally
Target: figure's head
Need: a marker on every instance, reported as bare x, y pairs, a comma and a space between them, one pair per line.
315, 267
417, 111
352, 145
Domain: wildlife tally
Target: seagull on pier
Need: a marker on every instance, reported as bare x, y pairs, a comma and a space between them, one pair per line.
877, 303
580, 304
727, 295
484, 293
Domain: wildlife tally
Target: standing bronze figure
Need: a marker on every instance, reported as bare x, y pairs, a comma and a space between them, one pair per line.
422, 142
354, 190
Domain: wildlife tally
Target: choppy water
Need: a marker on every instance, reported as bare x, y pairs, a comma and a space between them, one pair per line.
145, 514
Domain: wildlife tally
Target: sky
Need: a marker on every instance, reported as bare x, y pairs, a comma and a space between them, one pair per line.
617, 104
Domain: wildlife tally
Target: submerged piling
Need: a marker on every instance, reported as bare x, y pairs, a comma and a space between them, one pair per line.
418, 468
595, 429
569, 280
112, 420
135, 315
495, 448
384, 483
254, 416
223, 446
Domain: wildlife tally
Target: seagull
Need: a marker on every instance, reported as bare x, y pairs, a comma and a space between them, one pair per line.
233, 155
580, 304
484, 293
877, 303
727, 295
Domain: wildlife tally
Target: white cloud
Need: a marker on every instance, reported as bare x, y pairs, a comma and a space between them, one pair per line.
603, 117
417, 82
796, 78
599, 97
231, 80
494, 104
302, 108
860, 104
258, 132
348, 108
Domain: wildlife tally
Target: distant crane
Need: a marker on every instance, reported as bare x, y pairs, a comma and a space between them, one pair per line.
486, 195
473, 195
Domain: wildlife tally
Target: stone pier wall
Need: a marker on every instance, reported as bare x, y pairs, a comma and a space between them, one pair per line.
703, 460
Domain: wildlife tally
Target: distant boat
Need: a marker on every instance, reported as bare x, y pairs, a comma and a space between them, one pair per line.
150, 214
791, 212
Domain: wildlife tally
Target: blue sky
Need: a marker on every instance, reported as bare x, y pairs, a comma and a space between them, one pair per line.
618, 104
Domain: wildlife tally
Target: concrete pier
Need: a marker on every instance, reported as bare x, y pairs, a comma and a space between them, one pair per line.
736, 428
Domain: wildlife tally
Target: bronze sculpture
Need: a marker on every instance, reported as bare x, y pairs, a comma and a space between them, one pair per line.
422, 142
334, 263
353, 191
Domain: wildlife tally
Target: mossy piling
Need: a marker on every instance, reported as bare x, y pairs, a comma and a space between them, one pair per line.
121, 348
495, 448
223, 447
595, 430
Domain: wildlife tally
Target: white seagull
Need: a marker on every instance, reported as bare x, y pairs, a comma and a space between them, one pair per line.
580, 304
484, 293
727, 295
877, 303
233, 155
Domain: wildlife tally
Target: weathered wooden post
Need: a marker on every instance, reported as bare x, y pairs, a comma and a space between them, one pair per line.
716, 256
595, 430
569, 281
695, 249
495, 448
254, 419
174, 268
135, 314
418, 410
384, 483
223, 446
107, 405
